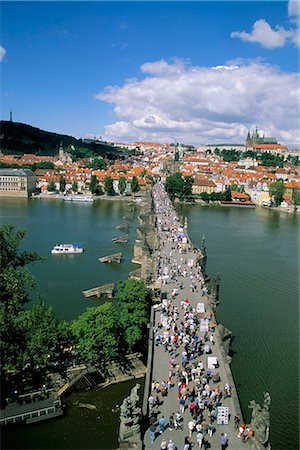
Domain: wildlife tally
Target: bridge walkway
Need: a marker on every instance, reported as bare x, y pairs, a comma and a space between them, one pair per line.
172, 255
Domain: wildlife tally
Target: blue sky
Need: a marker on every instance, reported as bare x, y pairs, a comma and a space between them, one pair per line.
59, 59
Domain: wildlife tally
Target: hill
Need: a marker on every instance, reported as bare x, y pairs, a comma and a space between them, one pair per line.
18, 138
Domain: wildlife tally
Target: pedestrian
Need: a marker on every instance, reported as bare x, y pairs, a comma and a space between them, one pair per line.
199, 440
151, 401
162, 424
241, 429
187, 445
164, 445
223, 441
191, 426
171, 445
237, 420
171, 422
182, 405
152, 433
211, 429
205, 443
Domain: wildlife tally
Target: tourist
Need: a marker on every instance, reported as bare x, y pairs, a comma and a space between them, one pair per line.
182, 405
223, 441
199, 440
237, 420
164, 445
171, 422
187, 445
162, 424
211, 428
205, 443
171, 445
152, 433
191, 426
241, 429
151, 401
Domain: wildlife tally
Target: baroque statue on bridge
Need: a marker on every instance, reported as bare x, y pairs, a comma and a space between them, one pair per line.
260, 421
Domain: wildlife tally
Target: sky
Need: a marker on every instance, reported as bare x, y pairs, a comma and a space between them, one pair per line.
191, 72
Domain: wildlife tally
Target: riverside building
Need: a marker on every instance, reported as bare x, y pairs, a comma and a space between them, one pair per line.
17, 182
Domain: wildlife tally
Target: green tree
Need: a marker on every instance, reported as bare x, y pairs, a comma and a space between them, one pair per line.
134, 185
109, 186
42, 333
16, 283
98, 163
268, 159
51, 186
226, 196
179, 186
133, 299
174, 185
62, 184
94, 184
205, 197
230, 155
74, 186
296, 197
187, 187
44, 165
96, 333
122, 185
276, 190
250, 154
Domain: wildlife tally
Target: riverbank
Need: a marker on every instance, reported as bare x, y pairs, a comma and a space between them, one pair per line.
129, 198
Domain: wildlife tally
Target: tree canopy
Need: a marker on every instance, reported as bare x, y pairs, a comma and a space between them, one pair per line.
122, 185
51, 186
133, 300
16, 283
109, 186
179, 186
135, 184
276, 191
62, 184
96, 333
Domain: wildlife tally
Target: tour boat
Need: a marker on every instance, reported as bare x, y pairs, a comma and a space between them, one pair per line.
78, 198
65, 249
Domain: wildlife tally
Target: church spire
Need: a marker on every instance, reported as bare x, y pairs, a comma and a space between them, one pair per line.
10, 116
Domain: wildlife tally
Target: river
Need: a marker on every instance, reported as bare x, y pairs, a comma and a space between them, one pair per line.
254, 250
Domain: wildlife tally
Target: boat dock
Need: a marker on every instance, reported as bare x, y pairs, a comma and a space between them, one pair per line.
106, 290
115, 257
122, 239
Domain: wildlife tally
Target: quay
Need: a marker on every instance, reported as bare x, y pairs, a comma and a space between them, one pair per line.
189, 385
106, 290
115, 257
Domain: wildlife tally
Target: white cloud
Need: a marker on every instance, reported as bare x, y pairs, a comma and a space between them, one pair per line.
263, 34
2, 53
201, 104
294, 8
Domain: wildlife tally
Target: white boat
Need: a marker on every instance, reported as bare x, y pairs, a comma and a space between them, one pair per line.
66, 249
78, 198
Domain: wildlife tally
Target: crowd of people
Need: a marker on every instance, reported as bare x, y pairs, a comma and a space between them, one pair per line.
185, 332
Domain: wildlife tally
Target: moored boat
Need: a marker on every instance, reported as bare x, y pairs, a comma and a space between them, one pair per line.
78, 198
65, 249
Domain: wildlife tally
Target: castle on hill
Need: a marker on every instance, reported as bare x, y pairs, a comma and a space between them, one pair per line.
256, 139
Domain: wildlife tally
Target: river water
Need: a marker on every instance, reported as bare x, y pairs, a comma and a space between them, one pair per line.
254, 250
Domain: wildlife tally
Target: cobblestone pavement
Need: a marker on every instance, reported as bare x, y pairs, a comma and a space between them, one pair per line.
161, 358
